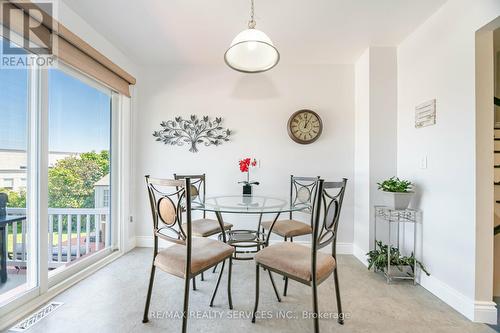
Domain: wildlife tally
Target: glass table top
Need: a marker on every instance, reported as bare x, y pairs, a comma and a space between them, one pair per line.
241, 204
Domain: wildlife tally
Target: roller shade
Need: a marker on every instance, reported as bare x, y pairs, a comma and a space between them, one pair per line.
66, 46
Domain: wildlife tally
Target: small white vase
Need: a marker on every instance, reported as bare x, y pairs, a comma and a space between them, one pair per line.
398, 200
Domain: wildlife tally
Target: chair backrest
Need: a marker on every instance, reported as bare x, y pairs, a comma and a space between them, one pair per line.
327, 214
168, 199
302, 191
198, 187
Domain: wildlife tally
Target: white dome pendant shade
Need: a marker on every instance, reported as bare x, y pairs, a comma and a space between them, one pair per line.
252, 51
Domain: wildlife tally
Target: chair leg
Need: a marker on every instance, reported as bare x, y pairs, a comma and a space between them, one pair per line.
285, 289
215, 268
217, 285
274, 286
315, 305
229, 283
186, 305
286, 286
194, 283
202, 277
257, 278
284, 277
337, 293
145, 319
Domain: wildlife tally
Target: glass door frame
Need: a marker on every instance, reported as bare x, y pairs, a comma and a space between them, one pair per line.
35, 280
46, 287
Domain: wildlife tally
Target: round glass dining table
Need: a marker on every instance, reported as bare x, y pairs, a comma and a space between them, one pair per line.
246, 241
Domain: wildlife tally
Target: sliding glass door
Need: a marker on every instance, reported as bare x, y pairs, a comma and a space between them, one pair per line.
79, 191
18, 215
55, 178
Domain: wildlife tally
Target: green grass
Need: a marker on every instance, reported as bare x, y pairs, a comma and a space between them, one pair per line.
10, 239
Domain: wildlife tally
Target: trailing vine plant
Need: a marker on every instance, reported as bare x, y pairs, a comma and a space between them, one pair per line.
377, 258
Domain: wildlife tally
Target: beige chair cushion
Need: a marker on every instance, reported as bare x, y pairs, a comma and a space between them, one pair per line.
288, 228
205, 252
205, 227
295, 260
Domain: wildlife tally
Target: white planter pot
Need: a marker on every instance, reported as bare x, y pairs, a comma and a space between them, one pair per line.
398, 200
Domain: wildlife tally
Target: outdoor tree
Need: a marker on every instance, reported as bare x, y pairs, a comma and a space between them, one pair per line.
71, 180
16, 199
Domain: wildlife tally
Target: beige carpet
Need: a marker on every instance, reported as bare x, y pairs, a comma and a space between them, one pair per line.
112, 300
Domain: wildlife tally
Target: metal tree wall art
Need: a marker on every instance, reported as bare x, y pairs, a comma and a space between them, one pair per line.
192, 131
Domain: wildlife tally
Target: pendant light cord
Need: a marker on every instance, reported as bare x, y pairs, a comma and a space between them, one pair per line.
252, 23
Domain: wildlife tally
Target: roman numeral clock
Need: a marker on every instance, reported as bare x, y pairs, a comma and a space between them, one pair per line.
304, 126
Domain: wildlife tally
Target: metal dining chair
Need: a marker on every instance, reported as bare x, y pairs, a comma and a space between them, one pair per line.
189, 256
202, 227
306, 264
301, 192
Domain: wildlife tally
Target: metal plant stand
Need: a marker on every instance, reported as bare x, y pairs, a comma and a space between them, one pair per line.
399, 217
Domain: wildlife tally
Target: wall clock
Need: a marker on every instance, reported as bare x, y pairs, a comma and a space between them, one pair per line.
304, 126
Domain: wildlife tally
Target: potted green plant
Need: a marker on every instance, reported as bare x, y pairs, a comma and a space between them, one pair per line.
378, 259
398, 192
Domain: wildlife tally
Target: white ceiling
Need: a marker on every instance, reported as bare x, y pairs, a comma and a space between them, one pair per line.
199, 31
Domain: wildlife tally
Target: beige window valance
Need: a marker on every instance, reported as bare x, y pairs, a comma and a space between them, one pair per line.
64, 44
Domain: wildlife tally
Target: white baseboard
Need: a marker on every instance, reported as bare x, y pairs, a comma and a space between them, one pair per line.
131, 244
360, 254
449, 295
344, 248
147, 241
477, 311
485, 312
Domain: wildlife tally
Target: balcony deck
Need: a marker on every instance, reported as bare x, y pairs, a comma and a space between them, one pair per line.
88, 229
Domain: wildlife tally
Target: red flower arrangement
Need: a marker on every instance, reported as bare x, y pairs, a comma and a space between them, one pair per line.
245, 165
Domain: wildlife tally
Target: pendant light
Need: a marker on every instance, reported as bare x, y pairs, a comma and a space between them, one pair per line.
252, 51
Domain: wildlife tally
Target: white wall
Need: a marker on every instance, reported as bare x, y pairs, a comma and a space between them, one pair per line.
82, 29
362, 215
438, 61
256, 107
375, 139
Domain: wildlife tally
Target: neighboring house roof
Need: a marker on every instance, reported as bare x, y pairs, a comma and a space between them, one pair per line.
104, 181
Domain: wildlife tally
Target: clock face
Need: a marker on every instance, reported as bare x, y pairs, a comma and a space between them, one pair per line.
304, 126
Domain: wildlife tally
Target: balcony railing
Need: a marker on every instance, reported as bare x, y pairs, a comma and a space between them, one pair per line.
73, 233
